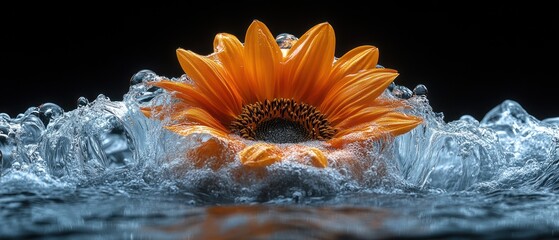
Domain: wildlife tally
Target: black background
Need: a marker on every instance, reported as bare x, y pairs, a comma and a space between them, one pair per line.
471, 56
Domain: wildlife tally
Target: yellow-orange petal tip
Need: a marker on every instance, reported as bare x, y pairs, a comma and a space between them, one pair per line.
318, 159
260, 155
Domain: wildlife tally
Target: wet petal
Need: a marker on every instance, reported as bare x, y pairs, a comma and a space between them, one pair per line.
193, 97
398, 123
358, 59
211, 80
361, 116
230, 52
149, 112
356, 91
188, 129
388, 125
214, 153
260, 155
262, 55
198, 116
308, 64
317, 157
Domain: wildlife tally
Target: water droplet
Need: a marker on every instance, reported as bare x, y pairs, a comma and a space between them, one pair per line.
82, 102
379, 66
420, 90
49, 111
286, 40
142, 76
402, 92
391, 86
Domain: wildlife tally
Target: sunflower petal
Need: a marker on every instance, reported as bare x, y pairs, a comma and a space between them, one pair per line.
356, 91
361, 116
388, 125
230, 52
193, 97
214, 151
397, 123
308, 64
211, 80
262, 55
353, 116
188, 129
318, 159
211, 153
260, 155
198, 116
358, 59
149, 111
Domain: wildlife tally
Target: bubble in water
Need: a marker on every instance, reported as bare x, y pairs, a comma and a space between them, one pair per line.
142, 76
82, 102
286, 40
143, 93
420, 90
49, 111
402, 92
391, 86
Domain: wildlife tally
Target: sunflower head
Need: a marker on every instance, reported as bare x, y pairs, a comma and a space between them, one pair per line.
265, 100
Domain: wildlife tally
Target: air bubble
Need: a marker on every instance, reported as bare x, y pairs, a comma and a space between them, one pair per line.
142, 76
420, 90
391, 86
286, 40
82, 102
49, 111
402, 92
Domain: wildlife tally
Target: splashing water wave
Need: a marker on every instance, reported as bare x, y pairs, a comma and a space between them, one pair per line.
507, 148
110, 146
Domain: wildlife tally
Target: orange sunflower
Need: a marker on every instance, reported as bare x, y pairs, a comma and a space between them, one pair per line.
261, 104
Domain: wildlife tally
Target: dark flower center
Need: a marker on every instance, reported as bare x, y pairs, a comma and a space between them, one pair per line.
282, 121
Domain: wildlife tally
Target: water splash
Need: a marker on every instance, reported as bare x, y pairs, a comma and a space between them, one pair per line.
104, 141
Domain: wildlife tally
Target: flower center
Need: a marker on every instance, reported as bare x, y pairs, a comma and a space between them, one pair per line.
282, 121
